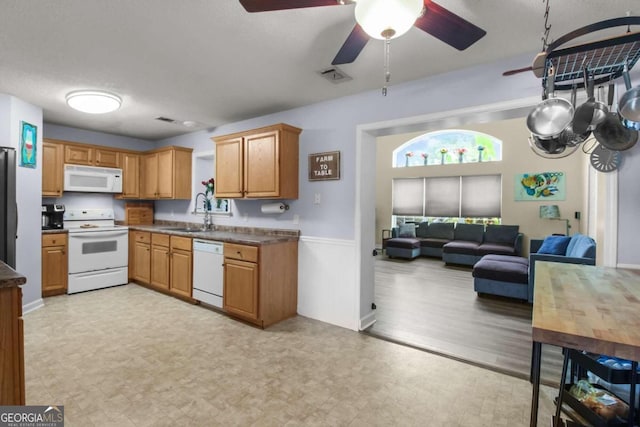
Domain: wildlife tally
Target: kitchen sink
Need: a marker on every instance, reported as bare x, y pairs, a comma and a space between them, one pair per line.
184, 230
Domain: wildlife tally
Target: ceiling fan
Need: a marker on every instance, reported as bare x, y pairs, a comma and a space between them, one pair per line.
433, 19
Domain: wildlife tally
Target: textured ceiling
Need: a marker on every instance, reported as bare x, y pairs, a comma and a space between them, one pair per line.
211, 62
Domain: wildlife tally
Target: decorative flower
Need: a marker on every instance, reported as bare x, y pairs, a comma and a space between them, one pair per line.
480, 147
461, 150
443, 151
424, 155
208, 187
409, 154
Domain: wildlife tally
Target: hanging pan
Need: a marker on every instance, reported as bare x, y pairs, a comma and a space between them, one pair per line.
629, 105
569, 136
592, 112
552, 116
611, 133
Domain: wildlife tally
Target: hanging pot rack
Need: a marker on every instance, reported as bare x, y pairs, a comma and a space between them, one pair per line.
604, 59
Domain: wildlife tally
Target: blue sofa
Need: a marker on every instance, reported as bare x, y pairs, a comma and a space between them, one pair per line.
515, 276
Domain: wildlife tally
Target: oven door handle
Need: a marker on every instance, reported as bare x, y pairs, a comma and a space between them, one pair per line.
104, 234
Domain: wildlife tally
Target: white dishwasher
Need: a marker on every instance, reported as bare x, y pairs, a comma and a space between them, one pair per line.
208, 273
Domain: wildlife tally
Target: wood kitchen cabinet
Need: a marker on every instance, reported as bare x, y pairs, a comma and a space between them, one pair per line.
90, 156
261, 282
12, 383
52, 165
141, 260
261, 163
171, 264
54, 264
130, 163
166, 174
181, 267
160, 260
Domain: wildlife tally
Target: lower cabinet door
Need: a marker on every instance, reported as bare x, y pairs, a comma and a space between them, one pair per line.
181, 273
160, 266
241, 288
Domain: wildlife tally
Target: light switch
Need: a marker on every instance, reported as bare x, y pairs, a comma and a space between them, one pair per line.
316, 199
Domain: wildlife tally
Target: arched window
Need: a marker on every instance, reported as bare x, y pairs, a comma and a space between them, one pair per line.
446, 147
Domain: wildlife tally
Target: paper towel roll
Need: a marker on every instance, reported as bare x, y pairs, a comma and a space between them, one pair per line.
271, 208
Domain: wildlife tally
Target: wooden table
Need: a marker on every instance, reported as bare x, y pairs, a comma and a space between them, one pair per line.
595, 309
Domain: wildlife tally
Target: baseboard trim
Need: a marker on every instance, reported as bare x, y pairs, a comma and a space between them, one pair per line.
32, 306
367, 320
629, 266
327, 241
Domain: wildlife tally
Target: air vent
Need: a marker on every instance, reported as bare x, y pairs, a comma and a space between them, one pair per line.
185, 123
334, 75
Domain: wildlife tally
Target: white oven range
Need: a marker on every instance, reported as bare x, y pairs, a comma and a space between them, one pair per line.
98, 250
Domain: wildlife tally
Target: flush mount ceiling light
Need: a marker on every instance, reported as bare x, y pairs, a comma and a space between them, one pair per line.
387, 19
93, 101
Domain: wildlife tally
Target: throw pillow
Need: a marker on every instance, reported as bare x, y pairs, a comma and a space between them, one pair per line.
407, 230
554, 245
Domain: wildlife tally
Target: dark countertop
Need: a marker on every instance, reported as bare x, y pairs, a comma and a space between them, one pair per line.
9, 277
243, 236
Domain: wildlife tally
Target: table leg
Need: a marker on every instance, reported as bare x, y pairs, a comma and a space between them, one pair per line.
535, 380
565, 363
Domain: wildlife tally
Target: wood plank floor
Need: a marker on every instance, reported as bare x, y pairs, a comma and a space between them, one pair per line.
429, 305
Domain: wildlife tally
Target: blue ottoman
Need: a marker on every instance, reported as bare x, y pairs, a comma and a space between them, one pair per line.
502, 275
403, 247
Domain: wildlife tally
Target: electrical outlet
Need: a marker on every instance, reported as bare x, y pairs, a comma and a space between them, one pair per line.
296, 219
316, 199
245, 217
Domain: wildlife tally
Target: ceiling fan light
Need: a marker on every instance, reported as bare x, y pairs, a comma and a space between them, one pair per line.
378, 17
93, 101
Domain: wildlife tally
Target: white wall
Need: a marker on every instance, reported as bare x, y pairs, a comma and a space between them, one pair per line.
28, 195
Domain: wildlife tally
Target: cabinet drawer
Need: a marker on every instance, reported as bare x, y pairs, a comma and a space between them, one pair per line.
159, 239
142, 237
241, 252
183, 243
54, 239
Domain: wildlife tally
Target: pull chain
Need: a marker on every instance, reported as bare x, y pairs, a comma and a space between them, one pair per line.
387, 72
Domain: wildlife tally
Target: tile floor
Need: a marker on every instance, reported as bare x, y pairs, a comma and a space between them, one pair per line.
129, 356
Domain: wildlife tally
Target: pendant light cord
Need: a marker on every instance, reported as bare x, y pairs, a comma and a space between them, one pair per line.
387, 72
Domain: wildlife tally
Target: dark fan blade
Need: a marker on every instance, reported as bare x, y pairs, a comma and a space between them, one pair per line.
351, 47
448, 27
516, 71
268, 5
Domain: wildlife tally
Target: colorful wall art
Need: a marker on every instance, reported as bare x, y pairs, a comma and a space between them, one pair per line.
28, 139
540, 186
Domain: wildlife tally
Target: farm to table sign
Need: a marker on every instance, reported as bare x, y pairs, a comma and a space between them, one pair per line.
324, 166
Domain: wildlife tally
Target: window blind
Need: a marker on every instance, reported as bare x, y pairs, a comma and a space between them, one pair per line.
481, 196
442, 196
407, 196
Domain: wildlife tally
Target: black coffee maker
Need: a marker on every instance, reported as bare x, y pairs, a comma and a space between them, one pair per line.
52, 216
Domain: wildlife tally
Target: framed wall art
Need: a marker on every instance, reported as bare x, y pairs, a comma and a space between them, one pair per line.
324, 166
28, 145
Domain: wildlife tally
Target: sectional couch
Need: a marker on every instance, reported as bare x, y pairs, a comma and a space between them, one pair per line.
514, 277
455, 243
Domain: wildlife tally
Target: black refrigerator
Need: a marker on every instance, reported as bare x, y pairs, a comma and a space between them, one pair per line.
8, 206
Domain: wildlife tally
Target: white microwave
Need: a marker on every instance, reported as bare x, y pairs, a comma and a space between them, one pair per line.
92, 179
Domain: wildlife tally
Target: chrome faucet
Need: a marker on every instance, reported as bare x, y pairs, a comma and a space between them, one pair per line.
207, 217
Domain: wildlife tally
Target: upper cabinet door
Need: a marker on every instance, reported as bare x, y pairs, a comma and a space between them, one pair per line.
130, 175
106, 158
149, 187
229, 174
166, 174
78, 155
51, 169
261, 166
